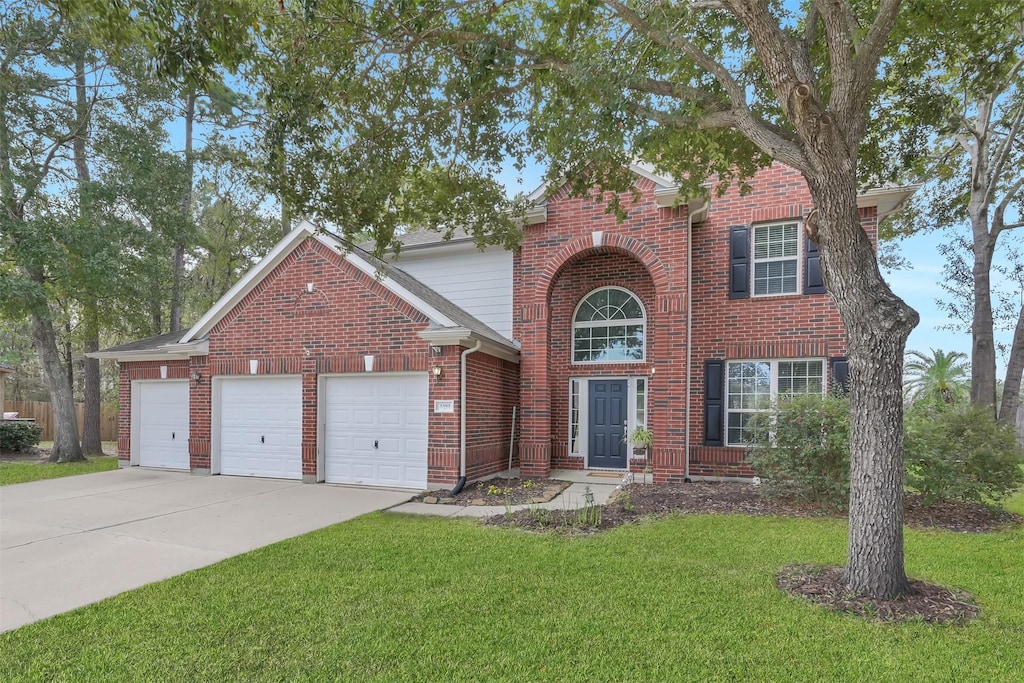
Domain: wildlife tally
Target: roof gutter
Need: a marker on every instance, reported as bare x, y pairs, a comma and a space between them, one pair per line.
462, 416
703, 212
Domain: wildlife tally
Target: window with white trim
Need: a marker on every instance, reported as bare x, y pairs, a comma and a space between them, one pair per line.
754, 386
574, 417
776, 259
608, 327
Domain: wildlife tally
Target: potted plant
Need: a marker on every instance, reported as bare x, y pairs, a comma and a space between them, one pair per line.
642, 439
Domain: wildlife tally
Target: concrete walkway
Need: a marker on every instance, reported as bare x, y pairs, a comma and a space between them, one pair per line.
600, 486
69, 542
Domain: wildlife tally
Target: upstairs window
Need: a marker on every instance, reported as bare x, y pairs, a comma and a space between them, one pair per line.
776, 257
608, 327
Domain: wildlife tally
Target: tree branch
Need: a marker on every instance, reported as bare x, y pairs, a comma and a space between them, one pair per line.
1005, 147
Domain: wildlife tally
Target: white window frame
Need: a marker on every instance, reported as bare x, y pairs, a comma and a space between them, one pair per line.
582, 384
773, 388
608, 323
754, 261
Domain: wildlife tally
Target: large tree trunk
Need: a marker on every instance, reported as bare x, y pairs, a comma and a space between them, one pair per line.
983, 347
91, 444
177, 293
877, 326
1014, 370
65, 427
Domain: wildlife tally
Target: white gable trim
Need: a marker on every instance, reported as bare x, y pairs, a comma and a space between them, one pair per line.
281, 250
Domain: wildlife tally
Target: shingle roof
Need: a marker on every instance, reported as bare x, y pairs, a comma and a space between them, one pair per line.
148, 343
422, 238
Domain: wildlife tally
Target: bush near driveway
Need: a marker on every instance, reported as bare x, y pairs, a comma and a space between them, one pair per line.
17, 436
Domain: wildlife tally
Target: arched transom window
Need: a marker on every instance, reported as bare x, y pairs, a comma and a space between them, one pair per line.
608, 327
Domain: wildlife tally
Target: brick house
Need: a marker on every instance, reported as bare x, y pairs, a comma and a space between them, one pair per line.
325, 364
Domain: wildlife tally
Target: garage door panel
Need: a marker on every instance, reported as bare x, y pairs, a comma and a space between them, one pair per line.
261, 427
375, 430
163, 424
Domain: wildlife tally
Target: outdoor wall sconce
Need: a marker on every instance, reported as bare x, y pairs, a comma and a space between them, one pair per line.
254, 366
368, 363
310, 287
163, 372
196, 377
438, 372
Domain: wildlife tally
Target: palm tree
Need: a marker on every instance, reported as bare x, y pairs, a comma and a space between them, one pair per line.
941, 378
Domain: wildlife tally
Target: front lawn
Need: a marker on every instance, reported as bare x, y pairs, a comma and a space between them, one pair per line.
398, 598
21, 472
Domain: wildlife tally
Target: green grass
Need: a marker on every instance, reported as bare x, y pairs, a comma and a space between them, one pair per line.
396, 598
21, 472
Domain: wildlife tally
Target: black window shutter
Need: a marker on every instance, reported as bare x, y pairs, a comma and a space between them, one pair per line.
739, 262
839, 368
814, 283
714, 403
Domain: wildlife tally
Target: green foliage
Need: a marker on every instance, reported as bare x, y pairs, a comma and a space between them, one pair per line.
939, 378
639, 437
18, 436
960, 453
803, 449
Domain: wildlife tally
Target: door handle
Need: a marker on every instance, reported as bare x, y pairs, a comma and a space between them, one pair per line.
263, 439
172, 436
375, 443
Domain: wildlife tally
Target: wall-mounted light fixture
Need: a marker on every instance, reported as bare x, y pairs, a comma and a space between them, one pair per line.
368, 363
196, 377
163, 372
254, 366
310, 287
438, 372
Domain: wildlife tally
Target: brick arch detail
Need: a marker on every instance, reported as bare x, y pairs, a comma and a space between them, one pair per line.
613, 243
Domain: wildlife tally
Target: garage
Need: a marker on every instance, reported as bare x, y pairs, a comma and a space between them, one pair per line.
260, 426
160, 421
375, 429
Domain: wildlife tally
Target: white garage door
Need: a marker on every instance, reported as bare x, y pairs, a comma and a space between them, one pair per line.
162, 428
261, 427
375, 430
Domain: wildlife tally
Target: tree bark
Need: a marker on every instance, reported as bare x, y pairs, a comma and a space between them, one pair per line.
65, 427
1014, 370
983, 347
91, 444
877, 326
186, 216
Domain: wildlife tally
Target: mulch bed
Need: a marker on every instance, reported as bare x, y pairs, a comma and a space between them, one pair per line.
825, 586
499, 491
641, 500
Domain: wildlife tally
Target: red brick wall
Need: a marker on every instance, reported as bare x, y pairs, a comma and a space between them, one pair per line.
577, 280
492, 391
559, 263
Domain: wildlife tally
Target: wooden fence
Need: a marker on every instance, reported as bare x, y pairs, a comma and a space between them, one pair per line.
42, 413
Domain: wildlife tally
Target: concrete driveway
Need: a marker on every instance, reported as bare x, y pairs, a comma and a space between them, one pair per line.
65, 543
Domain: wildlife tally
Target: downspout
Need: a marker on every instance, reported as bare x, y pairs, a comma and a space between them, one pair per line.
689, 331
462, 417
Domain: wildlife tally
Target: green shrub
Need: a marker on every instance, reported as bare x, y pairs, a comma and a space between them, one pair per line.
19, 436
960, 453
803, 449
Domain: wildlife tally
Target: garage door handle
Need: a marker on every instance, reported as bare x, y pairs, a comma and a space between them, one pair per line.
263, 439
374, 443
172, 436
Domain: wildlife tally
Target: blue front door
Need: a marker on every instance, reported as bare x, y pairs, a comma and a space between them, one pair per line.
608, 423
